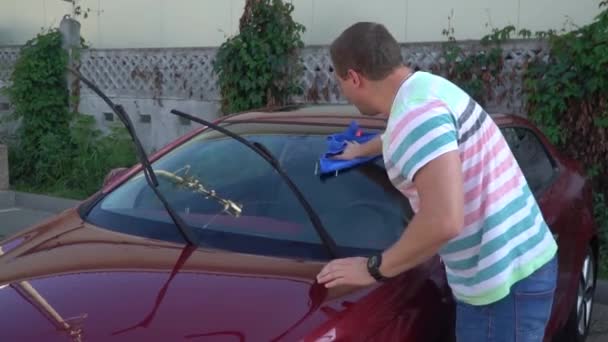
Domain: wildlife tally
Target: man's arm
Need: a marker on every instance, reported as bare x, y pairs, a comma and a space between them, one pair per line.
433, 165
355, 150
440, 218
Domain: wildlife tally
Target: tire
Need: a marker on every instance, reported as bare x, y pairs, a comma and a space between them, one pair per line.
579, 322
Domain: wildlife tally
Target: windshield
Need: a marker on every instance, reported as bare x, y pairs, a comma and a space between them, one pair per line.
234, 200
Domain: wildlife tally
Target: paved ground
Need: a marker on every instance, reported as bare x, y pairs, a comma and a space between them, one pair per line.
19, 210
599, 325
13, 219
15, 216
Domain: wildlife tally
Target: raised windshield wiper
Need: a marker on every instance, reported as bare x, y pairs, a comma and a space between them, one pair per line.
195, 185
150, 176
258, 148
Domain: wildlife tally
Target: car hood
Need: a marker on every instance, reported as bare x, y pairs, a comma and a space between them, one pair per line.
66, 280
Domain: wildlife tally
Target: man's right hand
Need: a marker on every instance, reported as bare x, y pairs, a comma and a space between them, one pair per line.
355, 150
351, 151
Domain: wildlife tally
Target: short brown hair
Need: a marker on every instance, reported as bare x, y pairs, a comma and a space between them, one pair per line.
367, 48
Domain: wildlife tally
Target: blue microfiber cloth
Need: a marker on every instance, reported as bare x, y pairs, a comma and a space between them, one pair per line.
336, 143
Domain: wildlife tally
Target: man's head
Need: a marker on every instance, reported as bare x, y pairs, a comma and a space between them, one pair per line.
363, 55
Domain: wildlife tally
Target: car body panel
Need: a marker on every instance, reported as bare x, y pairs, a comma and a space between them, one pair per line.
105, 285
566, 208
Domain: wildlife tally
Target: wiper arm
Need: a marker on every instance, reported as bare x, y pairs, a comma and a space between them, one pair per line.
327, 240
150, 176
195, 185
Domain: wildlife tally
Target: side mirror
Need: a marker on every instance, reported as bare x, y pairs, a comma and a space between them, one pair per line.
113, 175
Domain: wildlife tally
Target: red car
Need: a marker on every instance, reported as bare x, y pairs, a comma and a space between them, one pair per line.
117, 268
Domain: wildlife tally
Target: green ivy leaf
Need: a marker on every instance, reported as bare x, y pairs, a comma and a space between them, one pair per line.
270, 35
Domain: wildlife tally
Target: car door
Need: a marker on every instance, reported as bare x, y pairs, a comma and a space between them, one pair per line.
546, 180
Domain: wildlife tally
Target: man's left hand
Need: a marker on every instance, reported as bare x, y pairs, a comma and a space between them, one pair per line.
348, 271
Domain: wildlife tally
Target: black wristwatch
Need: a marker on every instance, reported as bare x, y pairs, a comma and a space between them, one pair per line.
373, 267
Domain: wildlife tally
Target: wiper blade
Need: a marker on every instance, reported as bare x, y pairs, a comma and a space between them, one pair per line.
195, 185
326, 239
150, 176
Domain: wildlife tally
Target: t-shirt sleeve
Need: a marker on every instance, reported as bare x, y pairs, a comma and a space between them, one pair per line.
422, 132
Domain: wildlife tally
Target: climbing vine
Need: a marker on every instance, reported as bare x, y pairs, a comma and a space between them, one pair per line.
260, 66
567, 96
475, 70
56, 150
39, 96
77, 9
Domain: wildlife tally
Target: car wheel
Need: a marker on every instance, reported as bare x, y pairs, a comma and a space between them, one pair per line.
577, 327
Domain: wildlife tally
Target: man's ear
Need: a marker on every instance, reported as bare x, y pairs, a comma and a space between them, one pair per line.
354, 77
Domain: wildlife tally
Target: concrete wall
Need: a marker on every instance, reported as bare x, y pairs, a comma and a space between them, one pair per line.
154, 124
193, 23
4, 175
6, 128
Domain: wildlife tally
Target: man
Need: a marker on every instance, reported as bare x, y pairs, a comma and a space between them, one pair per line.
472, 203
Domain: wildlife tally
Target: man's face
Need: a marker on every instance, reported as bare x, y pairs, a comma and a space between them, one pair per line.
357, 91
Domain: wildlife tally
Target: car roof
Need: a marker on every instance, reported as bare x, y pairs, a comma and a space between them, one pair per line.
317, 119
338, 115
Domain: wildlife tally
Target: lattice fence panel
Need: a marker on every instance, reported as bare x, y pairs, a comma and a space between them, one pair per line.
188, 73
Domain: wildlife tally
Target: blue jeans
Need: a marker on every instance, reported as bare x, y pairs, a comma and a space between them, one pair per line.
520, 317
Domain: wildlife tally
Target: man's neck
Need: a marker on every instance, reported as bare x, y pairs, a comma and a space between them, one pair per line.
387, 89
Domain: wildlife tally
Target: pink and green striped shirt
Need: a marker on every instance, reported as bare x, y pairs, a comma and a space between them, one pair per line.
505, 237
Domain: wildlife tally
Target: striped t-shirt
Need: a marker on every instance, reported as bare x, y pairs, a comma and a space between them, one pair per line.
505, 237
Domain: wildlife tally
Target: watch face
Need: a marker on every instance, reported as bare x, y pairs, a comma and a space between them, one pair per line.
372, 261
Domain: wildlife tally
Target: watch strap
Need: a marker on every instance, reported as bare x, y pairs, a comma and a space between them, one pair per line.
373, 267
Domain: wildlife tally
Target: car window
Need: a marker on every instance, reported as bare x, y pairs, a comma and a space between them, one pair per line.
359, 208
537, 166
